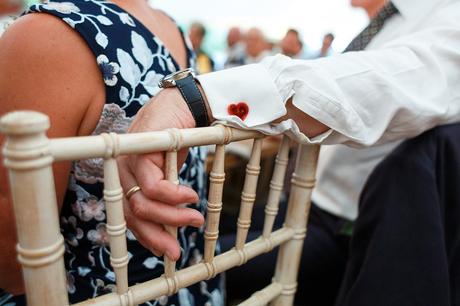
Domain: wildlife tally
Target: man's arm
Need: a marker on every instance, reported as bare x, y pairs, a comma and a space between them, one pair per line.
398, 91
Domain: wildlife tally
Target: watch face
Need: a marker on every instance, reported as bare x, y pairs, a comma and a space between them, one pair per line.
170, 80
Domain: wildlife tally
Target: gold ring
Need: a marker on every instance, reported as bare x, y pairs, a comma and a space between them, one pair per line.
132, 191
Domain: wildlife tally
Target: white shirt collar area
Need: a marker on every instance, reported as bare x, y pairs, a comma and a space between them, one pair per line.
413, 9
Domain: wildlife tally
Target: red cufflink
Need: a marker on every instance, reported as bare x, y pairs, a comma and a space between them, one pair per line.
241, 110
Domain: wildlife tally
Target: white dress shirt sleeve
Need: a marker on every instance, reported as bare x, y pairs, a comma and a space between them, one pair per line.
406, 87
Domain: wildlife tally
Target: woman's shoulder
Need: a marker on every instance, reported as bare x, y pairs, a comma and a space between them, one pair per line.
41, 32
46, 61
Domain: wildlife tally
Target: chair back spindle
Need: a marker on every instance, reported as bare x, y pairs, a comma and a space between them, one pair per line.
276, 186
303, 181
172, 176
214, 207
40, 243
248, 196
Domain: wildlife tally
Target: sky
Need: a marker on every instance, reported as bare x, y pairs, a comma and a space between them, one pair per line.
312, 18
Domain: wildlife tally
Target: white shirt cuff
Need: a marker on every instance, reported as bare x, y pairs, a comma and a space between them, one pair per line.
253, 85
250, 85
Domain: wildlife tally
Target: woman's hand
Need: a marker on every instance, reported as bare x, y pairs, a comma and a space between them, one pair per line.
156, 204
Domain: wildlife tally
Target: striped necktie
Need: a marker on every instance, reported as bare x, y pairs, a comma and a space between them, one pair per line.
364, 38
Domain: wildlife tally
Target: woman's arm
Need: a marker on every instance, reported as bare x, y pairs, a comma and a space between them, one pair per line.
45, 66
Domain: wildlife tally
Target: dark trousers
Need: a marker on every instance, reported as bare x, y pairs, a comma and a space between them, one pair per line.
405, 248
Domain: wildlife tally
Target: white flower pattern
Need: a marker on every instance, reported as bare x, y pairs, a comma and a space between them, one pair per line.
89, 209
126, 19
109, 70
62, 7
99, 235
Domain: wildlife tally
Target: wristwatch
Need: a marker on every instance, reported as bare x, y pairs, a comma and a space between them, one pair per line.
186, 82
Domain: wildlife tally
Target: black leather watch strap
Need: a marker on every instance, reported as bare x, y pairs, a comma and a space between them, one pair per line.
192, 96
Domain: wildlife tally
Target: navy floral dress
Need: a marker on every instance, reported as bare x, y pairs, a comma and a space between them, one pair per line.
132, 61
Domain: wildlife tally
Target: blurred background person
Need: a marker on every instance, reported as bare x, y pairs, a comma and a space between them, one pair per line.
197, 33
235, 48
326, 46
257, 46
291, 45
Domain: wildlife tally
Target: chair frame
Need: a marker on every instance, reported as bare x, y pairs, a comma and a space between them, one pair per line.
29, 155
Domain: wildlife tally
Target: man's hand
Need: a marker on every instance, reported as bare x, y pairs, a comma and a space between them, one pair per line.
156, 204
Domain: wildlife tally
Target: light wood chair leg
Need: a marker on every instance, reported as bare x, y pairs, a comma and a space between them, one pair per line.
248, 196
40, 243
116, 224
217, 178
303, 181
171, 175
264, 296
276, 187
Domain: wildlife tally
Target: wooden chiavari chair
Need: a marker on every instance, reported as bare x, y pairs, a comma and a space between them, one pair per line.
29, 154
